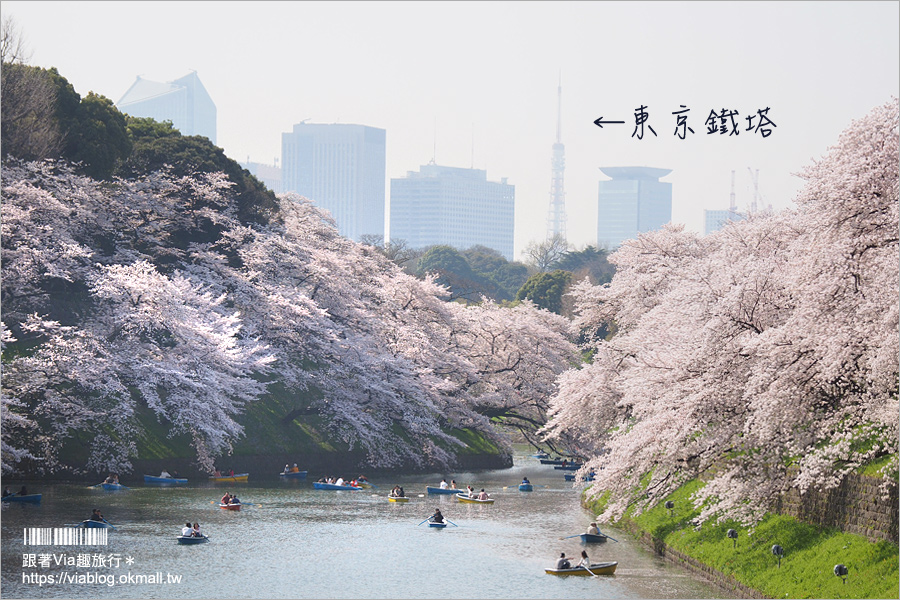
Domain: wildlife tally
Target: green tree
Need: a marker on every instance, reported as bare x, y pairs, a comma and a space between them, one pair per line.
97, 137
590, 262
546, 289
159, 144
454, 271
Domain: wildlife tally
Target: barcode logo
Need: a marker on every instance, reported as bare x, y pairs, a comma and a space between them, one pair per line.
65, 536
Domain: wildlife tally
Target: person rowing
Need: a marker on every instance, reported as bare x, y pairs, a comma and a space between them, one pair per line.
437, 517
593, 529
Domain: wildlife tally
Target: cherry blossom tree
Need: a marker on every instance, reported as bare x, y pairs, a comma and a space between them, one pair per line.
149, 294
761, 357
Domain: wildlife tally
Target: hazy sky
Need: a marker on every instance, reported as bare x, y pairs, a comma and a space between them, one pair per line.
492, 68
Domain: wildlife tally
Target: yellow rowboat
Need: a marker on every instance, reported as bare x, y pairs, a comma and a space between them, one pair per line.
398, 499
230, 478
604, 568
464, 498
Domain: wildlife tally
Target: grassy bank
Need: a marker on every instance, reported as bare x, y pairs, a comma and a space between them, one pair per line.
810, 552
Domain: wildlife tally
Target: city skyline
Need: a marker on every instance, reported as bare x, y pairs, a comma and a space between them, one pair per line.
445, 86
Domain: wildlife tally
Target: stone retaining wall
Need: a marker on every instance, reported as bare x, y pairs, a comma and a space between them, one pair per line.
856, 506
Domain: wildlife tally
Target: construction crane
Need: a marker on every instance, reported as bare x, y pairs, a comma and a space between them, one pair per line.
755, 179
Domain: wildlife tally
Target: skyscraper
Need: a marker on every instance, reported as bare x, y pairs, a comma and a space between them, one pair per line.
184, 102
453, 206
633, 202
714, 220
341, 168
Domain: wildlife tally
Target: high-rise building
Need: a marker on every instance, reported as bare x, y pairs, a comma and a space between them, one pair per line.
633, 201
270, 175
341, 168
184, 102
453, 206
714, 220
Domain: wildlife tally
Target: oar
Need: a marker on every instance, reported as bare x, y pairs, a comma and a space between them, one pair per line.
111, 526
612, 538
571, 536
451, 522
425, 521
589, 571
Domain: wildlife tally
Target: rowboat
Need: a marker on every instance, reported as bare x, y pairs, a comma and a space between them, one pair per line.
230, 506
190, 539
592, 538
294, 475
365, 484
437, 525
573, 477
568, 467
465, 498
113, 486
398, 499
90, 524
436, 490
551, 461
330, 486
32, 498
526, 487
604, 568
230, 478
153, 479
541, 455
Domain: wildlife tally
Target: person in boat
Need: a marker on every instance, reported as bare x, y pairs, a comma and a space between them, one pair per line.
585, 561
525, 481
339, 481
165, 474
295, 468
234, 500
452, 484
402, 493
562, 562
225, 499
362, 479
231, 472
175, 474
286, 470
96, 516
195, 530
217, 473
110, 479
437, 517
593, 529
187, 530
444, 484
6, 492
23, 491
483, 495
393, 493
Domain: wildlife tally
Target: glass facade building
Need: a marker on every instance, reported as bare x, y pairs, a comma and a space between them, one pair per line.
455, 207
633, 201
341, 168
184, 102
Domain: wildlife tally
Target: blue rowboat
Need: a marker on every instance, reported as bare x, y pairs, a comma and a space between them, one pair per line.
113, 486
331, 486
573, 477
31, 498
152, 479
551, 461
89, 524
437, 490
293, 475
526, 487
569, 467
592, 538
189, 539
437, 525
